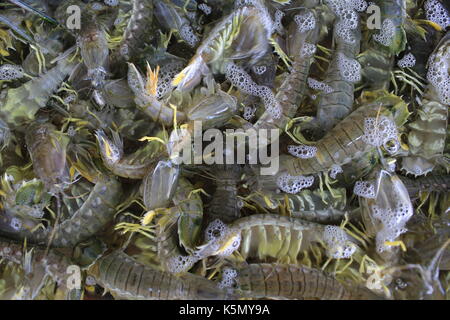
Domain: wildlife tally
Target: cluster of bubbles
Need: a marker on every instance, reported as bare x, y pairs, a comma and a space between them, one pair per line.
111, 3
340, 8
205, 8
393, 221
215, 235
380, 132
439, 76
308, 50
228, 278
408, 61
278, 26
348, 17
350, 69
319, 85
302, 151
436, 12
305, 21
242, 80
293, 184
365, 189
10, 72
16, 224
249, 113
335, 170
338, 243
181, 263
167, 73
387, 33
188, 35
259, 69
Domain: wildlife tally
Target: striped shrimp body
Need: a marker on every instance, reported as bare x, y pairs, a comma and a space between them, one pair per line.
213, 110
287, 281
48, 154
134, 166
431, 183
379, 54
129, 279
224, 205
138, 26
242, 34
41, 266
428, 133
190, 205
353, 137
94, 50
272, 237
93, 215
159, 186
97, 211
301, 43
316, 205
337, 101
21, 104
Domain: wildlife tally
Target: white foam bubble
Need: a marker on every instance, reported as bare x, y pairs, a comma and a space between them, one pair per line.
10, 72
111, 3
216, 229
408, 61
228, 278
438, 75
350, 69
167, 73
305, 21
293, 184
16, 224
259, 69
205, 8
437, 13
387, 33
349, 19
90, 281
381, 131
308, 50
344, 33
277, 21
393, 221
242, 80
249, 113
181, 264
188, 35
302, 151
319, 85
365, 189
335, 170
338, 243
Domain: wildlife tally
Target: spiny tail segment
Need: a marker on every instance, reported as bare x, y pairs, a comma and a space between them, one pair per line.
284, 281
129, 279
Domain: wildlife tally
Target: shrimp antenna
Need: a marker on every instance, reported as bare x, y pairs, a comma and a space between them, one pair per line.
29, 8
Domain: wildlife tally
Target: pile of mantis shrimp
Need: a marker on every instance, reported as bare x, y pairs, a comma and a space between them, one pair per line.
97, 98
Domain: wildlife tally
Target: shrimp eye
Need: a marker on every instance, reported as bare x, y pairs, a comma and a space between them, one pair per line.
391, 145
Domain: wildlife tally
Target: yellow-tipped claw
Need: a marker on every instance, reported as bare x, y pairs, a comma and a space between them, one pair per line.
396, 244
152, 80
178, 78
